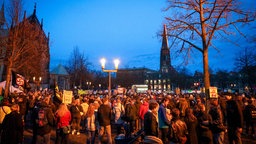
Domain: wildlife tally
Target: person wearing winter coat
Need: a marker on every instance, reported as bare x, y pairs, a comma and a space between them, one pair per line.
217, 125
4, 110
91, 124
12, 127
137, 104
164, 123
118, 111
76, 116
42, 131
130, 114
144, 107
204, 120
234, 120
249, 121
192, 123
104, 118
63, 118
178, 129
151, 120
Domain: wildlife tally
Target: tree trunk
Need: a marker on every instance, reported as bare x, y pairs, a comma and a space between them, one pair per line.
206, 70
206, 77
8, 80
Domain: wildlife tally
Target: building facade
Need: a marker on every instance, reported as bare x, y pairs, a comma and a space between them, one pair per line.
61, 77
33, 62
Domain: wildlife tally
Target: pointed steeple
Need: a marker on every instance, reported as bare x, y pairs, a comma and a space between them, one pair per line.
165, 38
2, 16
165, 61
34, 13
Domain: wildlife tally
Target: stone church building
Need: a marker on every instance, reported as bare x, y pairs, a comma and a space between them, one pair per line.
34, 62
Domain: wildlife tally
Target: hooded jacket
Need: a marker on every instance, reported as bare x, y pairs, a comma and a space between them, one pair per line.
50, 119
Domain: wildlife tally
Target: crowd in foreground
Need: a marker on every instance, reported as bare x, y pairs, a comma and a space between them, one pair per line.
164, 118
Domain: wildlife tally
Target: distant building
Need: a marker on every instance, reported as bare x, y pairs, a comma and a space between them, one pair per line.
34, 62
128, 77
61, 76
161, 80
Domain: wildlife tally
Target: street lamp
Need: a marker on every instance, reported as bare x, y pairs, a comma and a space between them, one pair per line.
116, 63
196, 84
37, 81
88, 85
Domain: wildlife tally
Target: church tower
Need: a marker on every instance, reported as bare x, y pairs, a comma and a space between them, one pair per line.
165, 61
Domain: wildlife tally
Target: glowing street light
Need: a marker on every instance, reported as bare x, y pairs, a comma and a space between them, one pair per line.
37, 82
116, 63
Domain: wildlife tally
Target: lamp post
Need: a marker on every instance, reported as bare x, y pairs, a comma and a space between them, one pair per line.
196, 84
232, 85
88, 85
37, 81
116, 63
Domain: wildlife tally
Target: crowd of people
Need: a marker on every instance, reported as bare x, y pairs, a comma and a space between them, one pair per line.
164, 118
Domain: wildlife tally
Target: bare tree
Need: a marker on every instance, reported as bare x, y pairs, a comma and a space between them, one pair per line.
22, 44
245, 61
78, 68
195, 23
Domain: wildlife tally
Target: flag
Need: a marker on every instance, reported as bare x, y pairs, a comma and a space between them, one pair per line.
18, 81
57, 94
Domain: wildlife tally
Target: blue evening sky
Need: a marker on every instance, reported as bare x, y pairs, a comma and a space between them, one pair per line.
124, 29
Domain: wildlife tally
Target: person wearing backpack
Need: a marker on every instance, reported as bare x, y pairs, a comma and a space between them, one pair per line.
43, 121
250, 117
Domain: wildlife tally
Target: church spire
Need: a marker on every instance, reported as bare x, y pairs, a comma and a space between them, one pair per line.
165, 61
165, 38
34, 13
